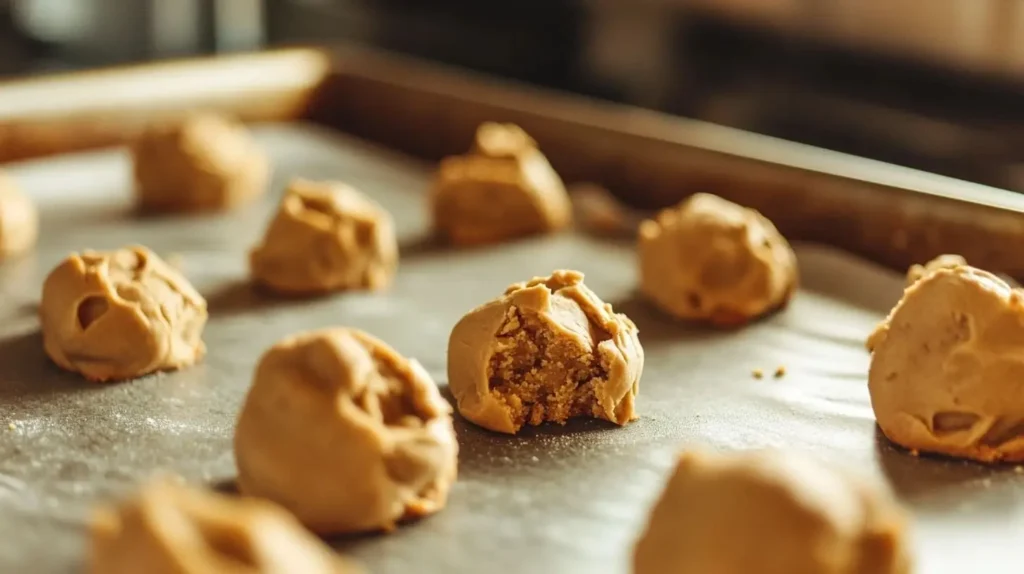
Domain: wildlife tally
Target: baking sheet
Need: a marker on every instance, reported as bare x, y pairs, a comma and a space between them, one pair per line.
554, 499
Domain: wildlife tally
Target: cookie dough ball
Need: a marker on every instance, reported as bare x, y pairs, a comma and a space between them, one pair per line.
326, 236
168, 528
19, 221
502, 189
345, 433
203, 162
947, 371
708, 259
947, 261
547, 350
770, 513
120, 314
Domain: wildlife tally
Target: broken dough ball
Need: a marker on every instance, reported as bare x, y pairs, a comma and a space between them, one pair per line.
326, 236
708, 259
19, 221
204, 162
168, 528
345, 433
113, 315
771, 513
547, 350
947, 369
502, 189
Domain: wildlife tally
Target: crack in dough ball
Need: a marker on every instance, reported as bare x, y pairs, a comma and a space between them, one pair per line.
502, 189
345, 433
120, 314
326, 236
168, 528
771, 513
947, 369
547, 350
203, 162
19, 220
708, 259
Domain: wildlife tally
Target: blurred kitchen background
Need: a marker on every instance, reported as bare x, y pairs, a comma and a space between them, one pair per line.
932, 84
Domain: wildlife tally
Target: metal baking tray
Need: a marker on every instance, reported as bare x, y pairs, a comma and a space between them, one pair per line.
553, 499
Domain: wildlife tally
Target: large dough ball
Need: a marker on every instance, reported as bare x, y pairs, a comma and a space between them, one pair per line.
19, 221
502, 189
947, 369
770, 513
326, 236
120, 314
547, 350
168, 528
345, 433
203, 162
709, 259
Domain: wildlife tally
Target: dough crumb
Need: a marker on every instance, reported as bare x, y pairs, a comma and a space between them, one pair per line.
780, 372
758, 373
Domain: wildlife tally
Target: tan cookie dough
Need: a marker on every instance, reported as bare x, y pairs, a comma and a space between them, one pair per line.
167, 528
947, 371
203, 162
708, 259
326, 236
19, 221
771, 512
547, 350
120, 314
502, 189
345, 433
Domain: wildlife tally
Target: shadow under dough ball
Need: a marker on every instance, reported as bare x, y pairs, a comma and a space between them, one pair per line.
947, 367
326, 236
167, 528
202, 162
708, 259
504, 188
771, 513
547, 350
345, 433
19, 220
120, 314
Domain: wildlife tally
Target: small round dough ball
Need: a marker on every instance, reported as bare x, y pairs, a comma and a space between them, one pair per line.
345, 433
204, 162
547, 350
947, 261
947, 370
19, 221
168, 528
504, 188
326, 236
120, 314
708, 259
771, 513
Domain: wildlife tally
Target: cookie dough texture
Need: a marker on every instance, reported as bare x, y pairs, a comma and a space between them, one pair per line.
345, 433
19, 220
708, 259
203, 162
113, 315
502, 189
947, 261
168, 528
326, 236
947, 370
547, 350
771, 513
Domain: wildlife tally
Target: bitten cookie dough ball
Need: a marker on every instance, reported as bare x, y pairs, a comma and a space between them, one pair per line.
345, 433
19, 221
771, 513
708, 259
947, 371
547, 350
168, 528
203, 162
326, 236
120, 314
502, 189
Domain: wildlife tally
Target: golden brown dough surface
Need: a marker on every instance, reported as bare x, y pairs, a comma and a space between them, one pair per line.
19, 220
